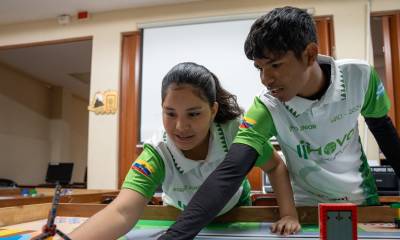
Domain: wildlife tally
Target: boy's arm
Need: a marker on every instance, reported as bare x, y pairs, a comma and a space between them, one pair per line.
114, 220
387, 138
375, 108
214, 193
251, 142
279, 179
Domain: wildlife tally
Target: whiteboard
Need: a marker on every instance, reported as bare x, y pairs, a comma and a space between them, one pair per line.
219, 46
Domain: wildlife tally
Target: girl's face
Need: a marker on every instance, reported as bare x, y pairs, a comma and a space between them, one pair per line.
187, 119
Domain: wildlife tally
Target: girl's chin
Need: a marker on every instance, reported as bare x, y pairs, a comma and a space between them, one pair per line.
184, 145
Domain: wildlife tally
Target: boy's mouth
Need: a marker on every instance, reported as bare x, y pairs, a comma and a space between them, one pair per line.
275, 91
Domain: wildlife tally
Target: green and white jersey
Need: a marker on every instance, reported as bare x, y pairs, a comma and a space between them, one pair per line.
320, 138
161, 162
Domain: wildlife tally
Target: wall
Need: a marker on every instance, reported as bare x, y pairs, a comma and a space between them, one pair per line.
39, 124
78, 119
350, 26
69, 131
24, 127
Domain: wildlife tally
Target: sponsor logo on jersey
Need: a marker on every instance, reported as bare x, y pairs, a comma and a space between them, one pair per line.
353, 110
380, 91
304, 149
142, 167
247, 122
302, 128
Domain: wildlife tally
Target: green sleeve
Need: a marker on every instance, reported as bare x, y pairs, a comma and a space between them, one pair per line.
256, 129
147, 172
376, 101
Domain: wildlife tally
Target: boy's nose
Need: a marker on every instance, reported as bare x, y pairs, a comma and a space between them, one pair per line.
267, 80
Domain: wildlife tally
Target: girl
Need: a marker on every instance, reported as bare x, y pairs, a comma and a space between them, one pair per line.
200, 119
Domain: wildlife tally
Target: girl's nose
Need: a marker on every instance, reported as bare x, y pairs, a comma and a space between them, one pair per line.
182, 124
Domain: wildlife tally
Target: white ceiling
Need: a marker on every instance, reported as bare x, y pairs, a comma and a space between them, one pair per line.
16, 11
55, 63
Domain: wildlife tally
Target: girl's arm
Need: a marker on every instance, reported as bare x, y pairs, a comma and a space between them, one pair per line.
115, 220
279, 179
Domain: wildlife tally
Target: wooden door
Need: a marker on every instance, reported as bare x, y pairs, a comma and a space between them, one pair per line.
390, 27
129, 103
324, 26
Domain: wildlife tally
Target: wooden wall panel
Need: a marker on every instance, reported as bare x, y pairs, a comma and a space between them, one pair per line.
391, 34
255, 177
324, 27
395, 52
387, 46
129, 102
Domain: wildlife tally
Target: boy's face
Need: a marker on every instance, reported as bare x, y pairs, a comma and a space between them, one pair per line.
285, 76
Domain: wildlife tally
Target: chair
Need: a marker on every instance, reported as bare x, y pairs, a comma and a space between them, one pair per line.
7, 183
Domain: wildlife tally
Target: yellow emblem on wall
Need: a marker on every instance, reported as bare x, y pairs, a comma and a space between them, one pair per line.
104, 103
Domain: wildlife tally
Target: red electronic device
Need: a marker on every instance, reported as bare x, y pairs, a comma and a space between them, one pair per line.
82, 15
338, 221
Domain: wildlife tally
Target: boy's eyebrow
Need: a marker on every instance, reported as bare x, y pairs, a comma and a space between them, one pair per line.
267, 61
272, 59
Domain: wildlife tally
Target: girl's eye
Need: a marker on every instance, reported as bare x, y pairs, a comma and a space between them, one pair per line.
194, 114
170, 114
258, 68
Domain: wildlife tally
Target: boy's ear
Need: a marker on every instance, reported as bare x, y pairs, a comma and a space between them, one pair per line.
311, 53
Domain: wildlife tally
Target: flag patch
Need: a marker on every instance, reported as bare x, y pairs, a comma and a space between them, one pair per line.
143, 167
247, 122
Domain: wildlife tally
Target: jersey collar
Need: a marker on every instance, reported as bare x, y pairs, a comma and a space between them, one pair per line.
335, 92
216, 150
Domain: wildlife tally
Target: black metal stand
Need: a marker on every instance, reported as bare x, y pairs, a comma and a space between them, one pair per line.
50, 229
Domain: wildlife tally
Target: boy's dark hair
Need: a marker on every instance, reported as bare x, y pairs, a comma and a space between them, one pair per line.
279, 31
207, 86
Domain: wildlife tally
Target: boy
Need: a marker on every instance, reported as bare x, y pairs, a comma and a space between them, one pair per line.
311, 105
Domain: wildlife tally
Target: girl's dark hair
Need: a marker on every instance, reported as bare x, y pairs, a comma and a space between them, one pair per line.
208, 86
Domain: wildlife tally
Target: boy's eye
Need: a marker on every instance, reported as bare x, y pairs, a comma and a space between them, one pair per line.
276, 65
258, 68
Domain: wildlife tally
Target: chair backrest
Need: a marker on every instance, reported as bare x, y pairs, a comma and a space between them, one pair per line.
7, 183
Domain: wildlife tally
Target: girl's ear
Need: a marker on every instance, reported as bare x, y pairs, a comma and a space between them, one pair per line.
214, 110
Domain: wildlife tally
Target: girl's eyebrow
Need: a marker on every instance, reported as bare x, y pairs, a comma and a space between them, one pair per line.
189, 109
194, 108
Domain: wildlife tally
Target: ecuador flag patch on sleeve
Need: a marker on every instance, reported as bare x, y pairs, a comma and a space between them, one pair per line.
142, 167
247, 122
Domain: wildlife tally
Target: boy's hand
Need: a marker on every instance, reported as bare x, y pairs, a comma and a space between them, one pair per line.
286, 225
